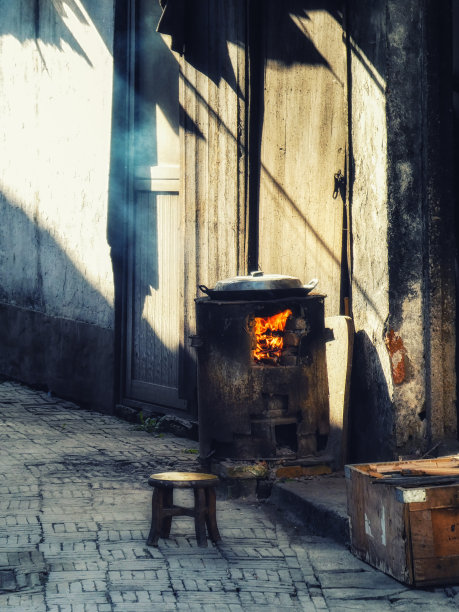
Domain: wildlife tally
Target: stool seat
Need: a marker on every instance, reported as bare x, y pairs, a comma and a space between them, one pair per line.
183, 479
163, 508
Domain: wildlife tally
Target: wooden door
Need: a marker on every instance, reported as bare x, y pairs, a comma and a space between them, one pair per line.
303, 143
154, 296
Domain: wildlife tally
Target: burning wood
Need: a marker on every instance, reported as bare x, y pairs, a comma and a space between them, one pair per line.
269, 334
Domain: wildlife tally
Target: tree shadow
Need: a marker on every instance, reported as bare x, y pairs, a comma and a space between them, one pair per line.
191, 22
156, 84
213, 59
25, 21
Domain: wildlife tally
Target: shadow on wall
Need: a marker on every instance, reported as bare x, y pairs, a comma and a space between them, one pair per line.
283, 13
296, 47
371, 412
39, 344
24, 18
46, 339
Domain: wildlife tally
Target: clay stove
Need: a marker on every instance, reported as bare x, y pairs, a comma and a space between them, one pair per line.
258, 401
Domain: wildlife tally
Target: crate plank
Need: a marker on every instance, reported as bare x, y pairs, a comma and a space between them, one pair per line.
439, 497
435, 571
445, 529
422, 541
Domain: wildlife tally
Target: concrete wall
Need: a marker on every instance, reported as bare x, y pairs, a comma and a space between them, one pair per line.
56, 280
403, 396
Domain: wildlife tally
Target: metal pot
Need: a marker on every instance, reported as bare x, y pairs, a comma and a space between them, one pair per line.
259, 286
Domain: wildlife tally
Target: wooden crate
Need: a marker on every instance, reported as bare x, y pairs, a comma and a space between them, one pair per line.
404, 518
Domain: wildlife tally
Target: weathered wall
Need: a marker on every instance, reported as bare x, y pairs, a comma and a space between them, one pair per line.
55, 115
408, 218
403, 396
441, 201
372, 418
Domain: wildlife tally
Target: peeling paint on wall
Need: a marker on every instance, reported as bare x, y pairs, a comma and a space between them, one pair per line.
397, 355
383, 526
368, 527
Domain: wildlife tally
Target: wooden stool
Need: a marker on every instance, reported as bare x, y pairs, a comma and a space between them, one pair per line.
163, 509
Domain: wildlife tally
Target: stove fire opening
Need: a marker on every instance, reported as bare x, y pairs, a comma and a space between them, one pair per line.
269, 336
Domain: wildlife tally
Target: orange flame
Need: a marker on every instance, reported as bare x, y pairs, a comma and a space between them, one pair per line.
269, 341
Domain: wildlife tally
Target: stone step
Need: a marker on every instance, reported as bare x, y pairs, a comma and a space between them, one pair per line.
318, 504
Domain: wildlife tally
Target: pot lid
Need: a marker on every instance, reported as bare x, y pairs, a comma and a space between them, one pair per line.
259, 280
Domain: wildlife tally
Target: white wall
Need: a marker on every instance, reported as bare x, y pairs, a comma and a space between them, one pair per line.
55, 121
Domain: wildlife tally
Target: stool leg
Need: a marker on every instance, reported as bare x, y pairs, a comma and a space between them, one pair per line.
156, 517
211, 518
200, 516
167, 520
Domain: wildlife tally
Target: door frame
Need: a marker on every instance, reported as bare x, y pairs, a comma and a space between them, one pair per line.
123, 183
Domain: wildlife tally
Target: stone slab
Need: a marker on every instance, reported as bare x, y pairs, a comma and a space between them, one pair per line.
318, 503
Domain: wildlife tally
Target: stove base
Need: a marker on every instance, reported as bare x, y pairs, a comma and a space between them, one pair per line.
255, 479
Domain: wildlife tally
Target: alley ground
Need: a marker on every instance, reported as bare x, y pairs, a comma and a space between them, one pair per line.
75, 514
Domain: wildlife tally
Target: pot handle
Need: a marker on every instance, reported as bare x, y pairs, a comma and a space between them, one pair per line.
204, 289
312, 284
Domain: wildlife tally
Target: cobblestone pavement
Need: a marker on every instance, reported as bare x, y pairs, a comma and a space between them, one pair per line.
75, 512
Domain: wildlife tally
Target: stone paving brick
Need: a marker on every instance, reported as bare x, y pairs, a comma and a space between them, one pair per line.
351, 605
75, 512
